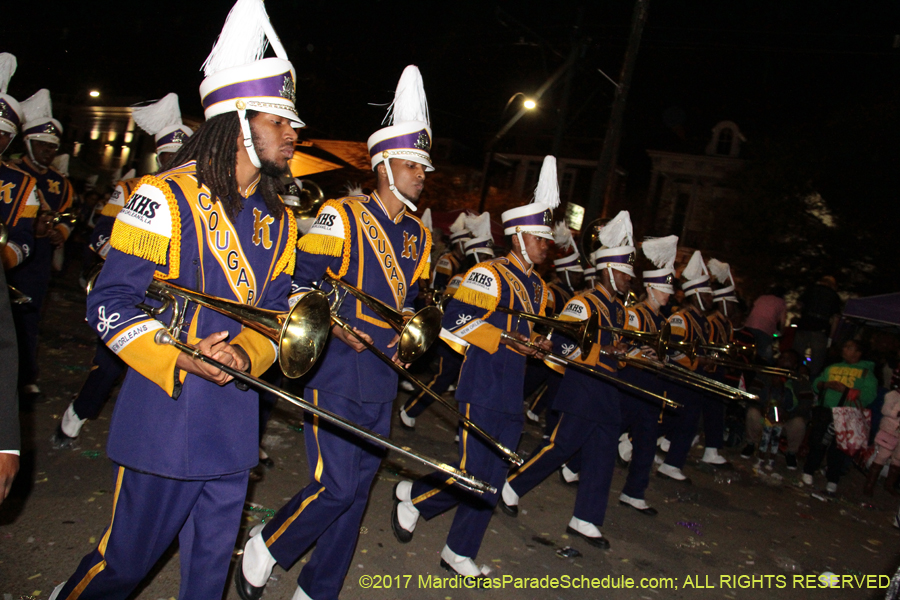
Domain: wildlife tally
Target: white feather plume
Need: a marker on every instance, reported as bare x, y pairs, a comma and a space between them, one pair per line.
661, 251
409, 102
459, 225
155, 117
562, 236
720, 270
695, 268
38, 106
7, 69
479, 225
244, 38
547, 191
426, 219
618, 231
352, 188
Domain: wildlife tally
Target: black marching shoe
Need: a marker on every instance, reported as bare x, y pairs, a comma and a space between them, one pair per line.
510, 509
243, 587
60, 440
649, 510
597, 542
403, 536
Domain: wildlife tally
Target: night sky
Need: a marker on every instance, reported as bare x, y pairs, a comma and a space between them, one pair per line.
765, 64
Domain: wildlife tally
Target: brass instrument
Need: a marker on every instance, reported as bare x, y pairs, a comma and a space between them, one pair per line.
592, 371
733, 350
417, 333
300, 333
425, 334
460, 477
17, 297
311, 199
662, 343
742, 366
584, 333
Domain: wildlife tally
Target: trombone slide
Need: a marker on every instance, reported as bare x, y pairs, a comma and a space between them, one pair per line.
163, 337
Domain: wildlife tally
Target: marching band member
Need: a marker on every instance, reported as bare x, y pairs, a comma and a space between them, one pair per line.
589, 419
689, 324
183, 440
450, 262
569, 279
478, 248
161, 119
721, 333
374, 243
490, 383
42, 135
18, 196
640, 416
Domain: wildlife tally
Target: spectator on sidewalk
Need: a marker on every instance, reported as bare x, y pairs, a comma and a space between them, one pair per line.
820, 307
765, 320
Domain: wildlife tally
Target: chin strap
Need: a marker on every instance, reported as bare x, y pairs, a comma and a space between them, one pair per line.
31, 155
568, 281
248, 137
612, 280
652, 297
700, 301
12, 136
393, 188
522, 248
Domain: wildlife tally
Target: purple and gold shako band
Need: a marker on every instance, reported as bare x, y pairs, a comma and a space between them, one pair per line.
48, 128
176, 137
664, 279
8, 114
697, 285
418, 140
276, 86
537, 219
626, 258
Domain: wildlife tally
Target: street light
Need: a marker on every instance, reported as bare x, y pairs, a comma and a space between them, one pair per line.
94, 94
528, 104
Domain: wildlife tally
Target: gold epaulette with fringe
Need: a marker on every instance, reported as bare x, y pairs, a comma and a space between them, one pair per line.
147, 244
476, 298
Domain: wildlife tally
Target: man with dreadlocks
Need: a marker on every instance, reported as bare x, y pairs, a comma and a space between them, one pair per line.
182, 439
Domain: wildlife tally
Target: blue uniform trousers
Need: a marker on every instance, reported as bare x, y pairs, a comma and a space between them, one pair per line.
32, 279
328, 511
681, 427
449, 363
640, 417
434, 494
106, 370
713, 409
597, 442
148, 513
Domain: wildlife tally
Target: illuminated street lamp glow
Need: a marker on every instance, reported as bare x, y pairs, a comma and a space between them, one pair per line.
94, 94
529, 104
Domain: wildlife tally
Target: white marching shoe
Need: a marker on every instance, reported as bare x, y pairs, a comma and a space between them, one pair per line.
407, 421
667, 470
461, 565
711, 456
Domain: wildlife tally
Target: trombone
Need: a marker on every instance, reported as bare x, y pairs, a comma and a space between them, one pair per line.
461, 477
735, 351
661, 343
584, 332
422, 333
299, 333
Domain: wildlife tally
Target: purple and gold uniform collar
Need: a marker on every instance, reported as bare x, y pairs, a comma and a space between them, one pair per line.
527, 269
384, 209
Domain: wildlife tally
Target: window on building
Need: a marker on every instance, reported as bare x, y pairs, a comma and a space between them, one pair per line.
679, 212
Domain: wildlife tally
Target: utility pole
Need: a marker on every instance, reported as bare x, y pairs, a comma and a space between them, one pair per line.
562, 115
597, 205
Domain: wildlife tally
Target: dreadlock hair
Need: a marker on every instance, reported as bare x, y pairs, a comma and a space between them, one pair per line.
214, 147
